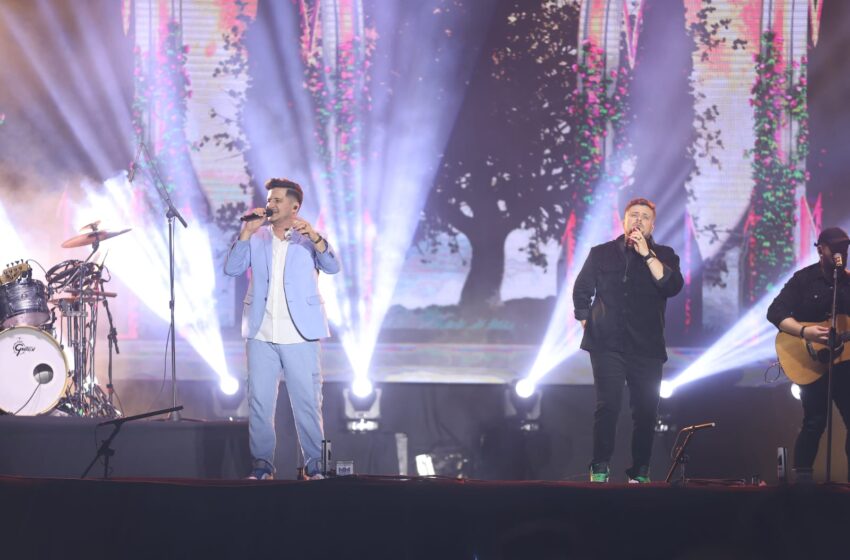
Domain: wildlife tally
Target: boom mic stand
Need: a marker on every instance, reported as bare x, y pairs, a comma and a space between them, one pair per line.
172, 213
679, 457
106, 451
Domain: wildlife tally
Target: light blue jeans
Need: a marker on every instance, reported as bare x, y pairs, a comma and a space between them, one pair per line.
299, 364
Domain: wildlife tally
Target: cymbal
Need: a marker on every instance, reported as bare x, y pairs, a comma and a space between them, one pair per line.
92, 226
89, 238
87, 297
88, 292
62, 298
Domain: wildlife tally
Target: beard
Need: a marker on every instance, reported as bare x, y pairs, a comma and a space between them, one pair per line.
839, 250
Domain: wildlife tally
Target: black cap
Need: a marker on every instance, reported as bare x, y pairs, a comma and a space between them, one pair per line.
834, 236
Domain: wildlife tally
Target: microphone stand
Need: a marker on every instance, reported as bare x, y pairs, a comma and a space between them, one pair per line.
833, 328
172, 213
112, 337
106, 451
679, 457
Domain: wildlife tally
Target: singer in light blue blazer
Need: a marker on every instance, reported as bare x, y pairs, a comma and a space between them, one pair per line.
283, 319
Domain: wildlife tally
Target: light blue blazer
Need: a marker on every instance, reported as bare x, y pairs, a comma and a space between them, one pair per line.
300, 281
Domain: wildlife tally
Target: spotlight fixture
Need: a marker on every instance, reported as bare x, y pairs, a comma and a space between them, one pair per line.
525, 388
362, 413
229, 406
362, 387
795, 391
666, 390
526, 409
229, 385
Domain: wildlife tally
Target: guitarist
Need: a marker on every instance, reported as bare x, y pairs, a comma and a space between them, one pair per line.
807, 297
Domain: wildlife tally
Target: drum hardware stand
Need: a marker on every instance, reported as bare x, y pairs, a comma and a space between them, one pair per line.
170, 215
112, 337
106, 451
84, 283
679, 457
81, 342
81, 323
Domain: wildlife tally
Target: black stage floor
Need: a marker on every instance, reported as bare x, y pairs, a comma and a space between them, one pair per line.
175, 493
403, 518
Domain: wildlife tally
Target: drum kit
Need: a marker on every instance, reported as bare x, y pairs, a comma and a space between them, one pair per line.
47, 345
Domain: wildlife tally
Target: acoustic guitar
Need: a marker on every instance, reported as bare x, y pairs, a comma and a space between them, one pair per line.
805, 362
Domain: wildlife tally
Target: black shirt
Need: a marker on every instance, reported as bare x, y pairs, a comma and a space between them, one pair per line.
628, 303
807, 296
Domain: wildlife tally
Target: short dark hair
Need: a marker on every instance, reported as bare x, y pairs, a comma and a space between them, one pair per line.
293, 189
640, 202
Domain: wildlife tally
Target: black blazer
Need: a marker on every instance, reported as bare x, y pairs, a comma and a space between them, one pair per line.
628, 303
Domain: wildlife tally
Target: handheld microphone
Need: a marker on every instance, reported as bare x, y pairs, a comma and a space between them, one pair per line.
251, 217
696, 427
630, 243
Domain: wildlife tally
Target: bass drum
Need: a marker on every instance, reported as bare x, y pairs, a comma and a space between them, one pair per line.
33, 372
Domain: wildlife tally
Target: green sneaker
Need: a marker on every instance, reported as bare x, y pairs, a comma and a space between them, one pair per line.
599, 472
639, 475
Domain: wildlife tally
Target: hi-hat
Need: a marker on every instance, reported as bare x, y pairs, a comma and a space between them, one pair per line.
89, 238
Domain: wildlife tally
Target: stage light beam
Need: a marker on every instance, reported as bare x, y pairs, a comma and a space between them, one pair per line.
563, 335
370, 175
748, 341
144, 268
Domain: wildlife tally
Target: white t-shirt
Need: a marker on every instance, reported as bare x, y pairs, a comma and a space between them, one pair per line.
277, 325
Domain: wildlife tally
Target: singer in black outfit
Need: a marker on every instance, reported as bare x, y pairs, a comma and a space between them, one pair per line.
620, 297
807, 297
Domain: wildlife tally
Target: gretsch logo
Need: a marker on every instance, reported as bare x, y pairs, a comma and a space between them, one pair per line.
20, 347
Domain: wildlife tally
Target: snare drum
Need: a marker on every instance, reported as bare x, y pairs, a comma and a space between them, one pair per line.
23, 302
33, 371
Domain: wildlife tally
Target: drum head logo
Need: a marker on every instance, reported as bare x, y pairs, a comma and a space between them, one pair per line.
20, 347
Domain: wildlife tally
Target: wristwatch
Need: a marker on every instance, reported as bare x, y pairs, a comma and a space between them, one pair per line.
649, 255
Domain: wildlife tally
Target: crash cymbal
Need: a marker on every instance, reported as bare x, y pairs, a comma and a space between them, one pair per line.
88, 238
92, 226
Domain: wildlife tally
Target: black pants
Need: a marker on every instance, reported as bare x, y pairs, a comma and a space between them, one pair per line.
813, 397
611, 371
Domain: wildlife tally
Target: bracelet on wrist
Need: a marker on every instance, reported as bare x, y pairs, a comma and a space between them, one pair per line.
803, 330
318, 239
